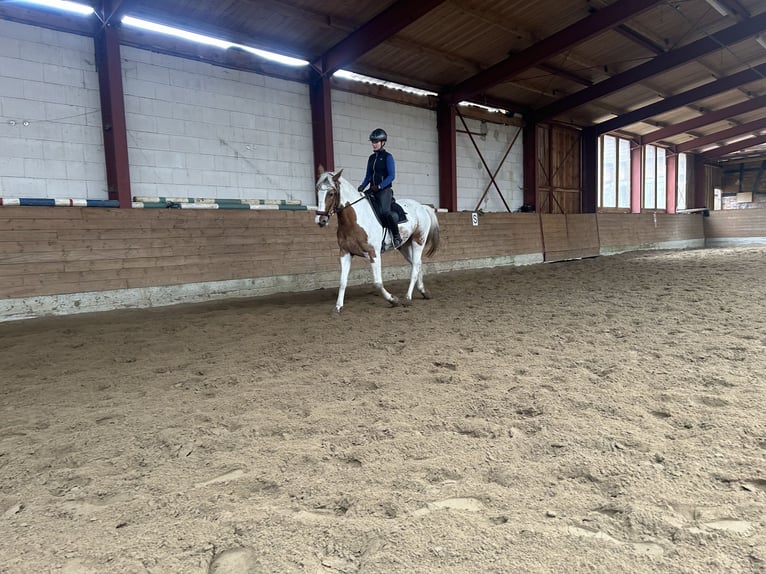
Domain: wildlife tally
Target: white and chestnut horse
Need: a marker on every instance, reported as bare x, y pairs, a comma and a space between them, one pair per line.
360, 233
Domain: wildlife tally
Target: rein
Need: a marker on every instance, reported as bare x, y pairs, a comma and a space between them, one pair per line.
337, 207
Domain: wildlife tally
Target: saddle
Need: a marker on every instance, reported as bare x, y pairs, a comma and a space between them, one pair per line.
399, 210
395, 208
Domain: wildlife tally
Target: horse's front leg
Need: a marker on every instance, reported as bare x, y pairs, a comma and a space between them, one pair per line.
345, 267
377, 280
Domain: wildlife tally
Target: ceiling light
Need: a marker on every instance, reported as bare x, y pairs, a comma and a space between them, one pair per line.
720, 8
63, 5
177, 32
354, 77
761, 40
274, 57
210, 41
739, 139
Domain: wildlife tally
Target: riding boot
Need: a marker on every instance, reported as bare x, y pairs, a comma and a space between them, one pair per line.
397, 239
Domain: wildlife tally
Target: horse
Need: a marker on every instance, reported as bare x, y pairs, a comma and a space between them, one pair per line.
361, 234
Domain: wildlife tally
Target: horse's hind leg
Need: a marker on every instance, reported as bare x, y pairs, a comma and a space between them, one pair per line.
377, 279
411, 253
416, 271
421, 287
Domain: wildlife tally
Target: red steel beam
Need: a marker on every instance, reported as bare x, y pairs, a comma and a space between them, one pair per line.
704, 120
684, 98
321, 123
529, 161
445, 127
735, 147
723, 135
592, 25
671, 182
392, 20
107, 49
660, 63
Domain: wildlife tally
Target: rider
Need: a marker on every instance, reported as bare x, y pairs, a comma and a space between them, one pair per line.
381, 170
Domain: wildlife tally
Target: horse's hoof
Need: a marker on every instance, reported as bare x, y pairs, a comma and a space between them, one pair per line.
394, 302
406, 302
336, 311
426, 294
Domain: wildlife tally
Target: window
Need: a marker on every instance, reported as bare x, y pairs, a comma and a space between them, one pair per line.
614, 173
655, 171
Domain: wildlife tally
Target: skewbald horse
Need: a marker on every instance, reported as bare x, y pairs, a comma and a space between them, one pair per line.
361, 234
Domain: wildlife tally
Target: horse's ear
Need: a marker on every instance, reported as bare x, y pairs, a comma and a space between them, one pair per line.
336, 177
320, 169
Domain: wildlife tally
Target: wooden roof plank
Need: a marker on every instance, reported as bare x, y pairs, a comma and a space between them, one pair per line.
392, 20
661, 63
588, 27
673, 102
704, 120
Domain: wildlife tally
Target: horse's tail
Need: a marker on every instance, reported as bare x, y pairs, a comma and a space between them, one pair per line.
432, 241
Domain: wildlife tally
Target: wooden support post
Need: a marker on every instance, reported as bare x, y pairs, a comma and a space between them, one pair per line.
589, 171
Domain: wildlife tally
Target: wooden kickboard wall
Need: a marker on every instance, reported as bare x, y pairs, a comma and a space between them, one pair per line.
64, 250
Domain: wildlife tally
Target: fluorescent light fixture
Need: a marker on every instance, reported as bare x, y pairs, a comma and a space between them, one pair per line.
209, 41
740, 139
177, 32
287, 60
709, 148
354, 77
761, 40
483, 107
720, 8
63, 5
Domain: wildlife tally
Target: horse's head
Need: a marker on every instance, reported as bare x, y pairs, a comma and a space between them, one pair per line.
328, 195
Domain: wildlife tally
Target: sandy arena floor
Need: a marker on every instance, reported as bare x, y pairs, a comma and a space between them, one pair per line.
604, 415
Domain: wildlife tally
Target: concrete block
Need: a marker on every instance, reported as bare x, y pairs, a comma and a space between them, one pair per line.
61, 75
96, 189
11, 167
20, 31
9, 47
20, 148
152, 74
58, 150
24, 187
19, 109
67, 189
141, 88
86, 171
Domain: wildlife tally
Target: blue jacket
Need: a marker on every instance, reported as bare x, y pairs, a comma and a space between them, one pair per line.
381, 169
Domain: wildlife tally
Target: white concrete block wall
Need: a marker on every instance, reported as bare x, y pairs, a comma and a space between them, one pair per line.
412, 140
493, 141
51, 143
197, 130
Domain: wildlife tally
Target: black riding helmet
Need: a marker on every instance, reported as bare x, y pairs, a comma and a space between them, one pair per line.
378, 135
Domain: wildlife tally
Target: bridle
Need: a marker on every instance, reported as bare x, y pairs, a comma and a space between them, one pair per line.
336, 207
